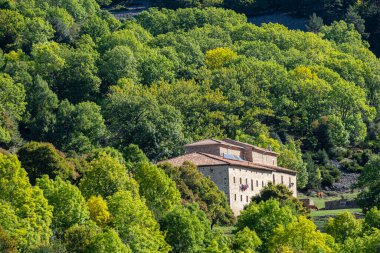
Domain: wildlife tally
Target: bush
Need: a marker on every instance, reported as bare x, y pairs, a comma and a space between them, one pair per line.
339, 153
327, 179
321, 157
336, 173
351, 166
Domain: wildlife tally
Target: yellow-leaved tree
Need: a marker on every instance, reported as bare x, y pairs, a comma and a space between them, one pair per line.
217, 57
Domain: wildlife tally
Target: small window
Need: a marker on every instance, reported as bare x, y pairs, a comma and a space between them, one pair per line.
240, 180
273, 162
234, 180
246, 181
212, 170
241, 198
262, 183
290, 180
274, 179
257, 183
247, 199
282, 179
235, 197
251, 184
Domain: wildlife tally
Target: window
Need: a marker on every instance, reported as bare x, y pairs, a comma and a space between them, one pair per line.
247, 199
282, 179
235, 197
240, 180
262, 183
241, 198
251, 184
274, 179
211, 170
246, 181
234, 180
257, 183
273, 162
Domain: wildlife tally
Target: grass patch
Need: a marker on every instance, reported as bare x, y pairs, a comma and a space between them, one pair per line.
333, 212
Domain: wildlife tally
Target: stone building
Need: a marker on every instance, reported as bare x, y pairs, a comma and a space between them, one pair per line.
239, 169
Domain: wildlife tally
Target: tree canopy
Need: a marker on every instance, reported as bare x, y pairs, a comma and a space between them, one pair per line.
89, 105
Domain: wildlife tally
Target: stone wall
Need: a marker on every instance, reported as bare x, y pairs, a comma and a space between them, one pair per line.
340, 204
258, 157
254, 179
218, 150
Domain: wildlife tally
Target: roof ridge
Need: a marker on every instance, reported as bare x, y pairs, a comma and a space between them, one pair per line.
233, 162
251, 145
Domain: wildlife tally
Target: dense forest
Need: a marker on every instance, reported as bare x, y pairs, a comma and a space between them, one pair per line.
90, 104
363, 14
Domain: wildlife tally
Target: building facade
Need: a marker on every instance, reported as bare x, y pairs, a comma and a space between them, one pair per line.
239, 169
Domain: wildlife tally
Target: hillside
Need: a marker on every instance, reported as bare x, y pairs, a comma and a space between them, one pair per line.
89, 104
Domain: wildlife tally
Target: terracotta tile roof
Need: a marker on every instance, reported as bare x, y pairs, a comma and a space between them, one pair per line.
250, 145
203, 159
212, 142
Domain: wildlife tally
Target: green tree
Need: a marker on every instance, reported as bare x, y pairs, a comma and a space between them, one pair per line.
290, 157
135, 223
133, 155
7, 243
42, 104
372, 219
69, 205
154, 66
12, 107
352, 17
99, 152
84, 127
79, 238
105, 176
108, 241
341, 32
78, 80
314, 24
369, 243
157, 188
369, 182
185, 230
12, 24
282, 194
301, 236
264, 218
314, 174
25, 212
37, 30
95, 26
135, 116
49, 61
245, 241
344, 226
40, 158
118, 62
